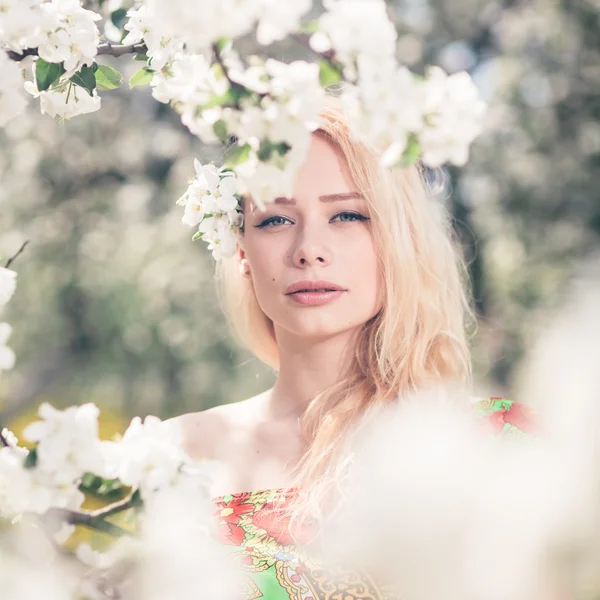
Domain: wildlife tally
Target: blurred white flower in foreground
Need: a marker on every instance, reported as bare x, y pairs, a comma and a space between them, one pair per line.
440, 508
30, 570
180, 556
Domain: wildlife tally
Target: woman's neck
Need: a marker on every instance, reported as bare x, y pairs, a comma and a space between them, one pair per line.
307, 367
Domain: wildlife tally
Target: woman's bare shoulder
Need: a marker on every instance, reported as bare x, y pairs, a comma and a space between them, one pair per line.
204, 431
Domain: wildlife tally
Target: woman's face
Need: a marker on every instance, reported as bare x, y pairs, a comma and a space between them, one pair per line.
320, 237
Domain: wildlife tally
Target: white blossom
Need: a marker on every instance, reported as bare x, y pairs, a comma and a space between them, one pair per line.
29, 571
17, 492
296, 86
264, 181
190, 82
279, 19
376, 114
65, 101
19, 23
8, 284
139, 25
13, 100
442, 113
454, 115
217, 231
287, 115
30, 490
150, 456
144, 26
289, 112
201, 122
7, 356
92, 558
356, 27
10, 437
67, 442
211, 204
68, 33
104, 577
65, 531
200, 23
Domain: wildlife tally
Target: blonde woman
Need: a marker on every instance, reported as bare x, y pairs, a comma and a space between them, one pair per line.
354, 292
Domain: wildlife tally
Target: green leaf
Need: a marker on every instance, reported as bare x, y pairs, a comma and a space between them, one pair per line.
309, 26
231, 97
88, 481
99, 487
220, 129
47, 73
227, 98
142, 77
31, 459
118, 17
108, 486
281, 148
221, 43
411, 154
136, 498
85, 78
197, 236
265, 150
237, 155
142, 57
108, 78
329, 74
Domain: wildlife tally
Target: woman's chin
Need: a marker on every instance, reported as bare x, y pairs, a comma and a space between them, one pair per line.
317, 329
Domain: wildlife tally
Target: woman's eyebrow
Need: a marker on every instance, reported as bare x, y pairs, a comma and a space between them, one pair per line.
324, 198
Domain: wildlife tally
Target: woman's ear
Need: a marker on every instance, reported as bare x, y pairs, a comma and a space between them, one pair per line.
244, 263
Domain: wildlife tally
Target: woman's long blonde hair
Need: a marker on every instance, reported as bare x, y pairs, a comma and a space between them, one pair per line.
420, 336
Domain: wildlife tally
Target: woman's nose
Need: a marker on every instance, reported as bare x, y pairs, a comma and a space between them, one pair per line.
311, 251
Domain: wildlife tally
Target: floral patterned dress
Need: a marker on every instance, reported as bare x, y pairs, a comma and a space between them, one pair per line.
275, 569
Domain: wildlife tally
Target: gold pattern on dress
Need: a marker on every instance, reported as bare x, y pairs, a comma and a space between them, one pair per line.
486, 404
248, 589
294, 581
316, 582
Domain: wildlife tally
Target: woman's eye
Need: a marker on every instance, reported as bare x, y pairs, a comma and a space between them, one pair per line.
344, 217
348, 217
272, 222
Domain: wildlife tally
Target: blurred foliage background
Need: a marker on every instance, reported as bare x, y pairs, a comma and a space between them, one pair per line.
115, 304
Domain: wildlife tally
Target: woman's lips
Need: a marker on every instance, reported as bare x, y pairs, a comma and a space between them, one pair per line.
315, 298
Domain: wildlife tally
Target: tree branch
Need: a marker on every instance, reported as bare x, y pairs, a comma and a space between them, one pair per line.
103, 50
12, 258
221, 63
3, 441
119, 49
95, 519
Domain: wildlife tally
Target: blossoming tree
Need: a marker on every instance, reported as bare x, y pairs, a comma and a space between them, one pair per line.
264, 110
268, 107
